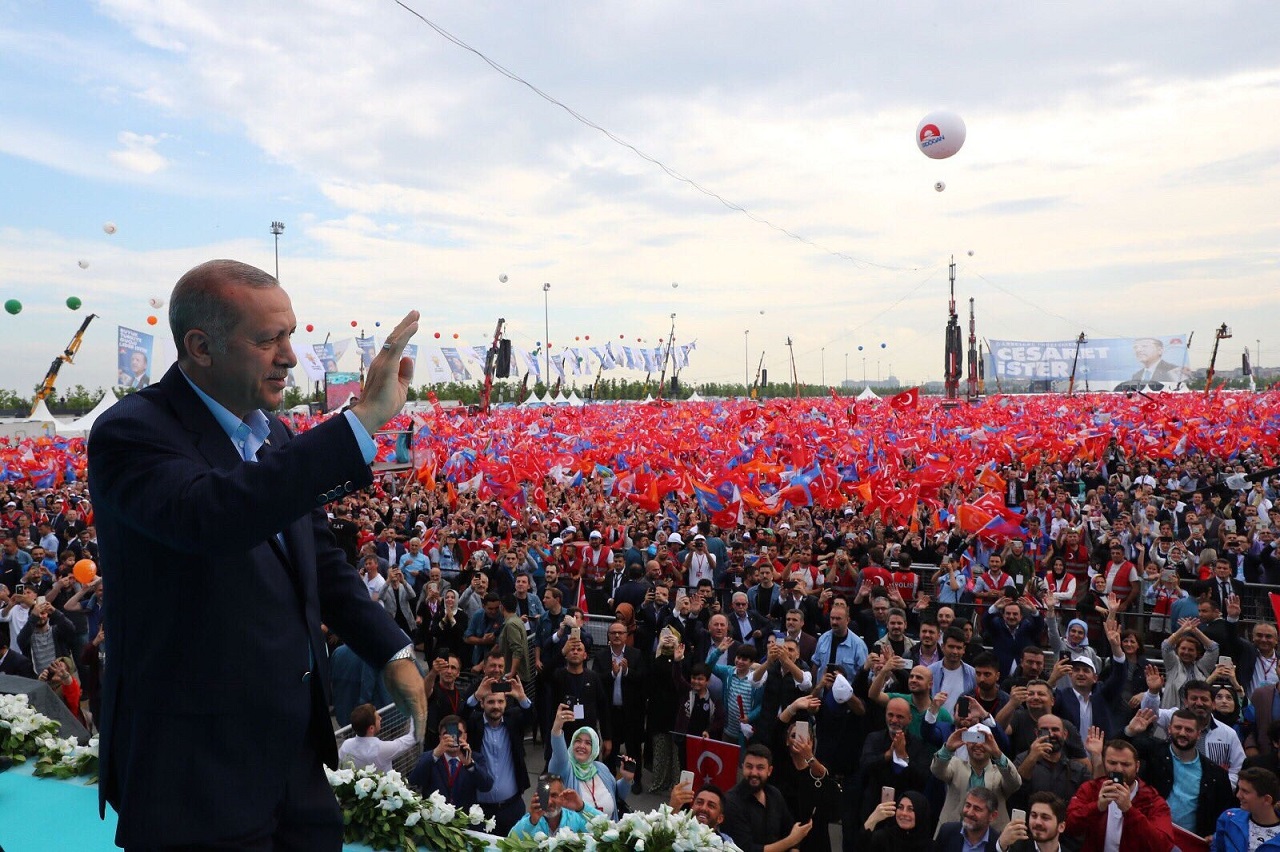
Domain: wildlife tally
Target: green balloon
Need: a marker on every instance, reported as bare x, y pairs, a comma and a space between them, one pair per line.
13, 306
74, 303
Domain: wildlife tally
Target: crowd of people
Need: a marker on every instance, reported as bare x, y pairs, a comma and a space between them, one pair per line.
920, 686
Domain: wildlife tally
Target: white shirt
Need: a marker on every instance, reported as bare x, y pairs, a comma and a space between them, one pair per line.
1086, 710
375, 585
1264, 671
371, 751
1115, 823
953, 685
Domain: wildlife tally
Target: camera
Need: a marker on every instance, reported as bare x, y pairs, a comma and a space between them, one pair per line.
1116, 778
501, 686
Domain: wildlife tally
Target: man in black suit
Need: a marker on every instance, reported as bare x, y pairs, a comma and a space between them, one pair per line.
880, 767
11, 662
1085, 688
200, 495
1042, 832
1152, 367
974, 828
451, 768
622, 673
748, 626
1222, 586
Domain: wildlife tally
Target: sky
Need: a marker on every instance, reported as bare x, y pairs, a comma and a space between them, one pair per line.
1119, 175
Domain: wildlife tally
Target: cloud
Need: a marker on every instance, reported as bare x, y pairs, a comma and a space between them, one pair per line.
139, 153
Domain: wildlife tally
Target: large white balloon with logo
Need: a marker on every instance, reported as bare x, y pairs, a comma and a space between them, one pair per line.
940, 134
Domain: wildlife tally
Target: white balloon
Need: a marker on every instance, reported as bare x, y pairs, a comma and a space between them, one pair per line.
156, 302
675, 284
109, 227
939, 186
940, 134
83, 264
970, 252
502, 279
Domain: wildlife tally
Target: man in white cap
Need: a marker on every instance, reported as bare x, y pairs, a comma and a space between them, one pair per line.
594, 561
699, 563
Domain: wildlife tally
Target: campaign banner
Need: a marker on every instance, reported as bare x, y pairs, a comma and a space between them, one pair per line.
328, 357
366, 347
457, 369
133, 357
309, 362
1139, 360
338, 388
437, 368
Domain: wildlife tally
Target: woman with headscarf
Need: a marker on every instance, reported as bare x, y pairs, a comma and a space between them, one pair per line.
446, 630
578, 764
1076, 642
902, 826
626, 616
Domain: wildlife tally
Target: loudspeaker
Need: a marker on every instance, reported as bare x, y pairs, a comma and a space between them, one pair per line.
503, 370
764, 376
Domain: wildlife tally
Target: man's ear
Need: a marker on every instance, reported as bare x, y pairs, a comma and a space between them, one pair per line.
198, 347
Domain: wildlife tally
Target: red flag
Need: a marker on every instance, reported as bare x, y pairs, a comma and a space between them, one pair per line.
711, 761
582, 597
1275, 605
908, 400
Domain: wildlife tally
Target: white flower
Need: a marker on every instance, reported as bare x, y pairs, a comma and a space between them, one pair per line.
364, 787
412, 819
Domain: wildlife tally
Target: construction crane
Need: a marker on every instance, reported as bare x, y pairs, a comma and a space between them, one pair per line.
69, 356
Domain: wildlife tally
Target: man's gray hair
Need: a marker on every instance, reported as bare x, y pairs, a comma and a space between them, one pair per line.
199, 300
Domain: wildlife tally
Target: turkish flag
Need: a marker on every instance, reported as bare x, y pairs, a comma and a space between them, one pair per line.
1275, 605
582, 597
711, 762
908, 400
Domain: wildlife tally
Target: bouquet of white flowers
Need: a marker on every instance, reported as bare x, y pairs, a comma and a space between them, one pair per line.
381, 811
66, 758
22, 727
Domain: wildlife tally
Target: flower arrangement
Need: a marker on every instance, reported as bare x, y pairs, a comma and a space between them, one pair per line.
661, 830
22, 728
66, 758
380, 810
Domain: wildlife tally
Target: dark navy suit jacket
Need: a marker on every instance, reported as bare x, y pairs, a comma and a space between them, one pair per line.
1066, 705
213, 634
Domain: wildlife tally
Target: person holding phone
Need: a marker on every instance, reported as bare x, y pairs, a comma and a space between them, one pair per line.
1118, 810
578, 763
982, 758
450, 768
905, 825
552, 808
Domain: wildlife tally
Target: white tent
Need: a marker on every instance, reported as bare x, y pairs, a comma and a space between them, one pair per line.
80, 428
693, 397
867, 393
573, 400
647, 398
42, 412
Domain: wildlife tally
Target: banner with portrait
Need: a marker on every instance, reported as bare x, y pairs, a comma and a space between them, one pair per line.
1114, 360
133, 358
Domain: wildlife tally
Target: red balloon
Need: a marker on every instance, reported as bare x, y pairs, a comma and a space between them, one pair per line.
437, 335
151, 320
353, 323
310, 327
455, 335
588, 336
621, 337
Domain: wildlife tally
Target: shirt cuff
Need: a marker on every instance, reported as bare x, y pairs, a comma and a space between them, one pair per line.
368, 448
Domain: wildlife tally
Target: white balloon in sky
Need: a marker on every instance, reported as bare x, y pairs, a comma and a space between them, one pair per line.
939, 186
940, 134
156, 302
675, 284
109, 228
83, 264
502, 279
970, 252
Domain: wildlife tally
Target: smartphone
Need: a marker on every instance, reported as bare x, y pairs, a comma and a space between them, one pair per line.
451, 729
887, 794
686, 779
972, 736
962, 707
1116, 778
1018, 815
1064, 655
834, 669
544, 792
802, 730
1225, 661
575, 632
1229, 525
628, 763
501, 686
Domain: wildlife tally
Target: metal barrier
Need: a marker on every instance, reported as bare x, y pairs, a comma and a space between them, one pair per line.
394, 724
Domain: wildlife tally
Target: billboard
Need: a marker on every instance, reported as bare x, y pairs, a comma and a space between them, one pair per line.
1139, 360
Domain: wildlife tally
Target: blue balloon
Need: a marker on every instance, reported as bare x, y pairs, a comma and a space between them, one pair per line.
377, 325
859, 348
883, 345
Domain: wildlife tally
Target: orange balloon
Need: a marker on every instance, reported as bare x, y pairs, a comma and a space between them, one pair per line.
455, 335
84, 571
151, 320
